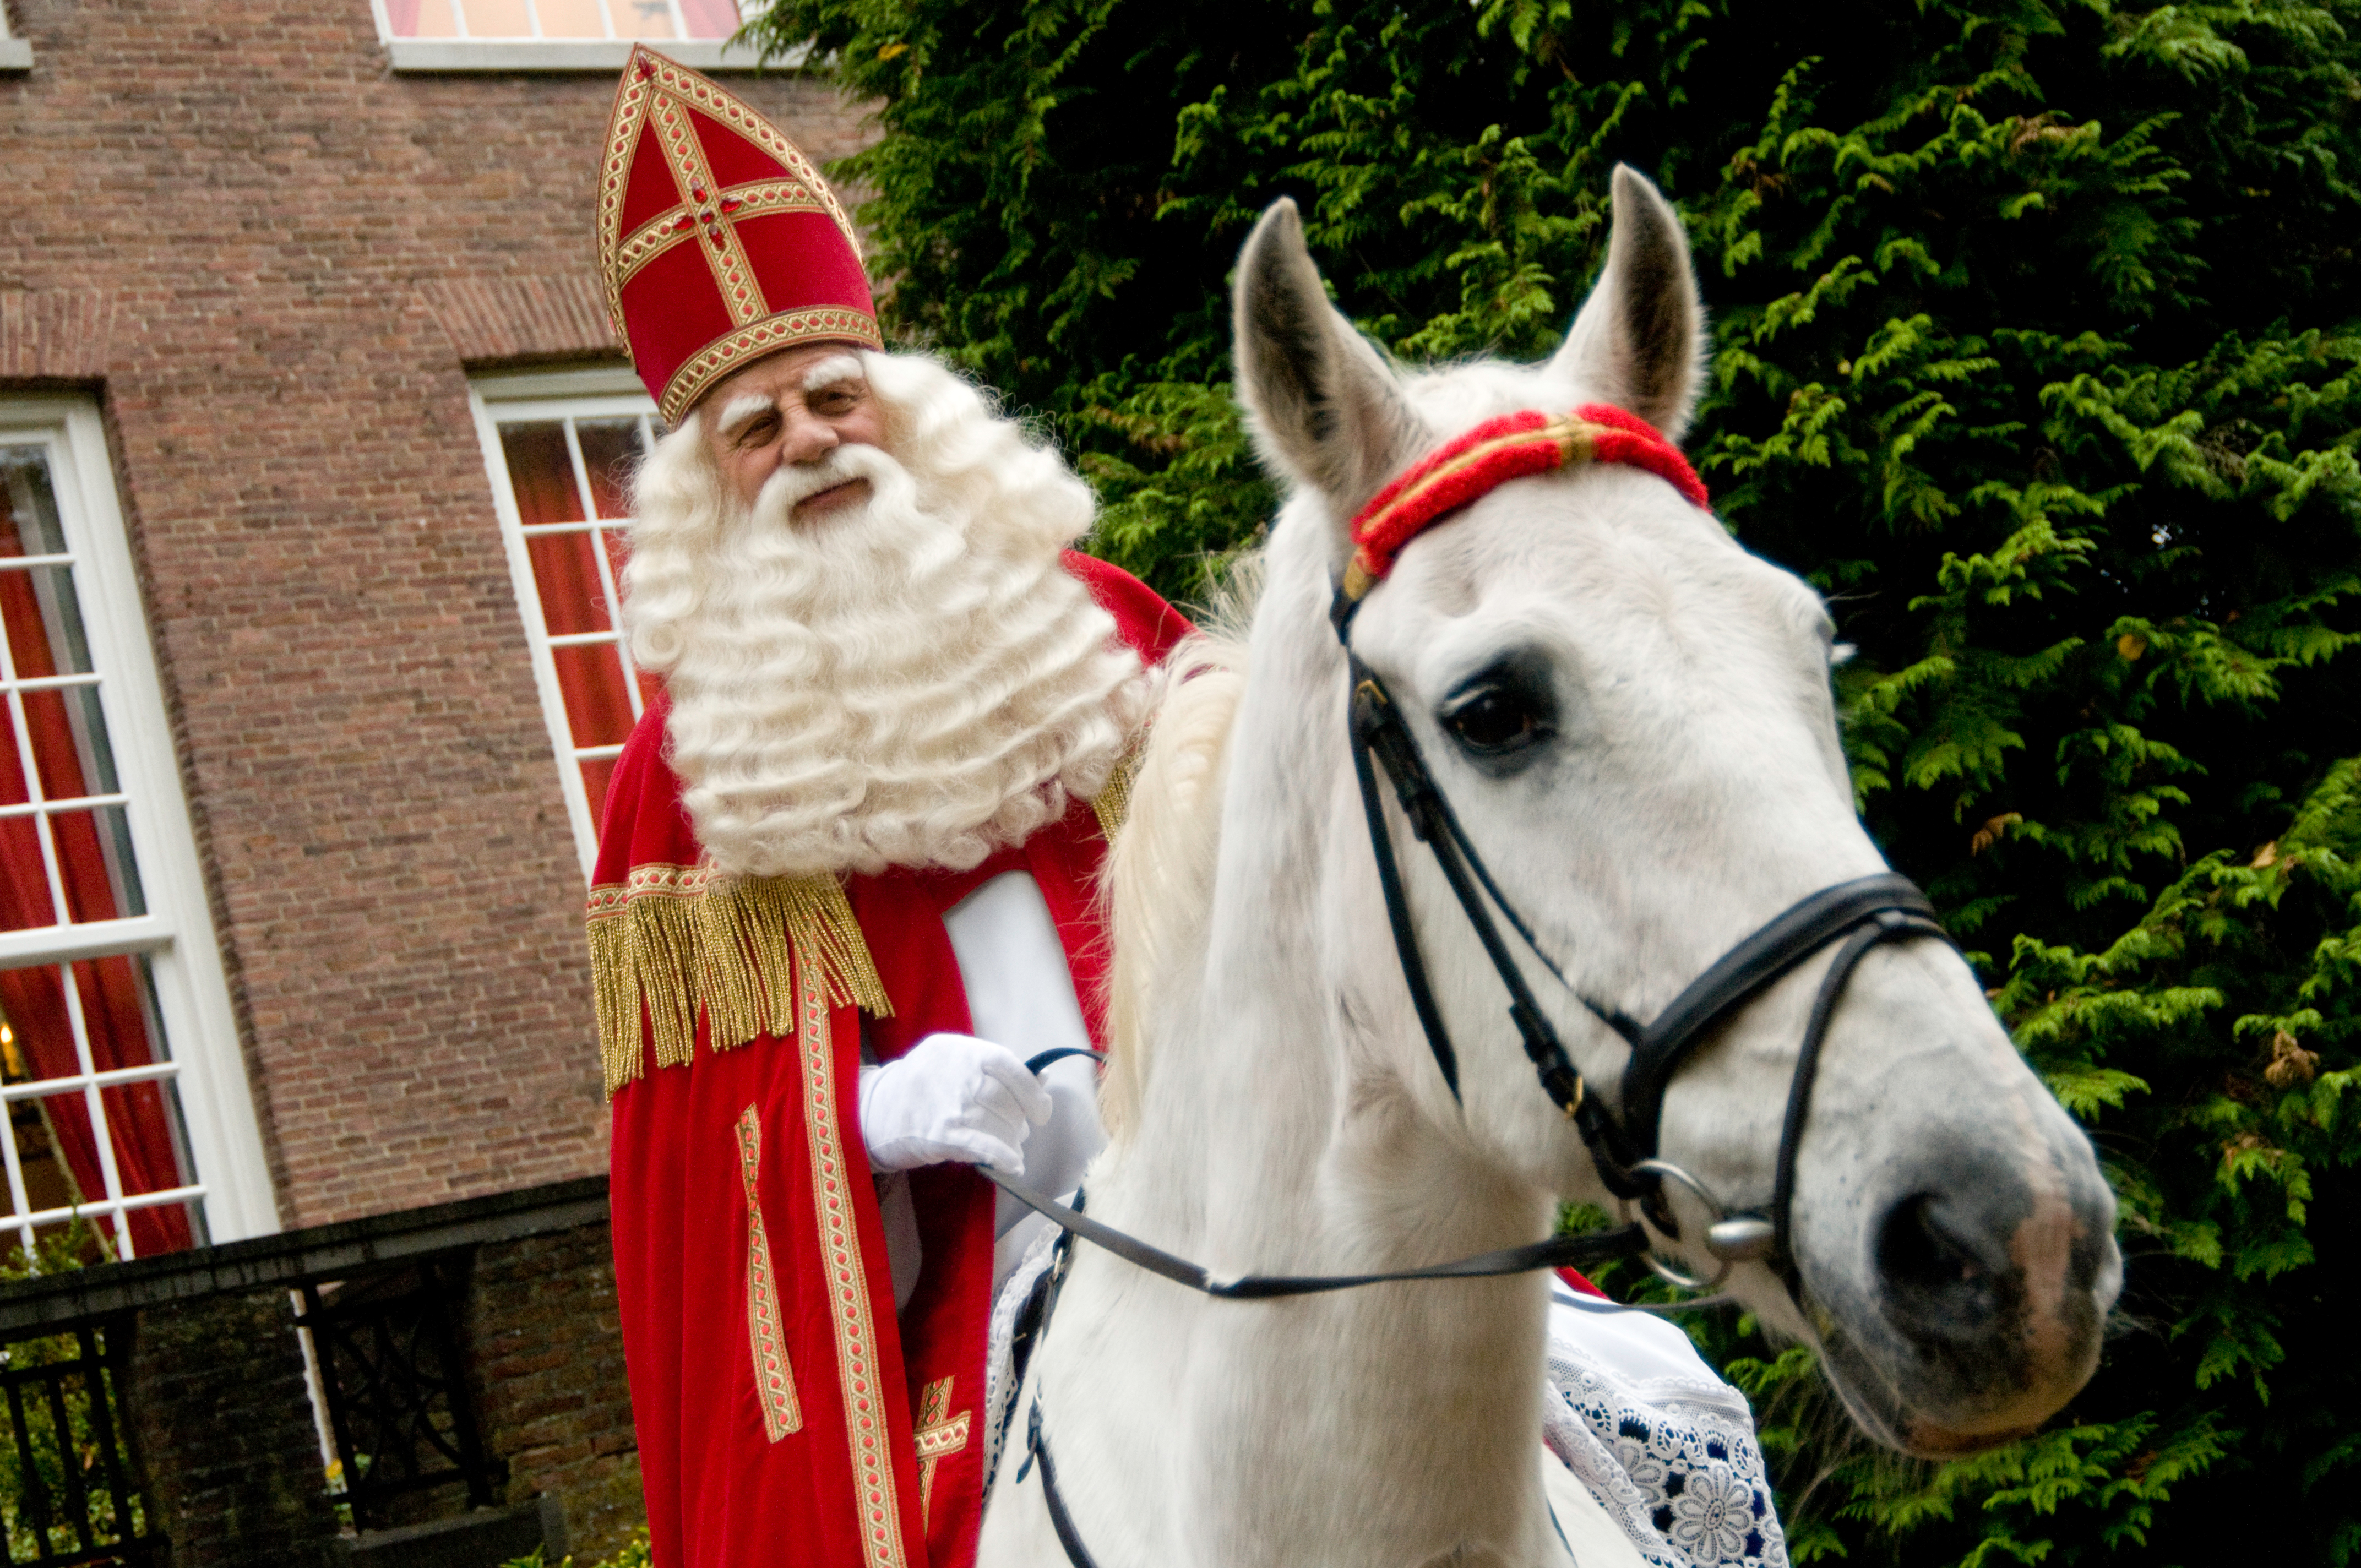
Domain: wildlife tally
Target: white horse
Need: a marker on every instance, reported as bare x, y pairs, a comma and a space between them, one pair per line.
1653, 774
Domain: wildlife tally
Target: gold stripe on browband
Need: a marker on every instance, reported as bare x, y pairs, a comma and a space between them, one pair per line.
1576, 442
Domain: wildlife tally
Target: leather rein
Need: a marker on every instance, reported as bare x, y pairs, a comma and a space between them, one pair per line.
1859, 914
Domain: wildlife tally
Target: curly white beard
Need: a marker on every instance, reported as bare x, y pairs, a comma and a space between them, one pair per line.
915, 682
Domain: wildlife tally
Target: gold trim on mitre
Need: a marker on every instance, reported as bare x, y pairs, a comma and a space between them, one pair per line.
675, 943
822, 323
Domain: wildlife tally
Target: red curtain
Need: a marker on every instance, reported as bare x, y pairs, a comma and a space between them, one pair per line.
565, 572
114, 1016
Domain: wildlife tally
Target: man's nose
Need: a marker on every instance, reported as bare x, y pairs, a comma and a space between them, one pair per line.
806, 439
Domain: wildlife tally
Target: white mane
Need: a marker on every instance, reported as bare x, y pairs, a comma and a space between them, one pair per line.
1158, 881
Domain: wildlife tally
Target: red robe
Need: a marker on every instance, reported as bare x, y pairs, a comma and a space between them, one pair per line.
785, 1414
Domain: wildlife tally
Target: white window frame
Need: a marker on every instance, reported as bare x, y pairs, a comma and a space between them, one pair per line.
206, 1068
538, 54
601, 393
15, 53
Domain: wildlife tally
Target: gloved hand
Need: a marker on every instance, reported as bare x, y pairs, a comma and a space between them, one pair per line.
951, 1097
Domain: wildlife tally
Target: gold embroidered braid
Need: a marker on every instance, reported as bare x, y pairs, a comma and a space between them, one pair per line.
1113, 804
859, 1375
678, 940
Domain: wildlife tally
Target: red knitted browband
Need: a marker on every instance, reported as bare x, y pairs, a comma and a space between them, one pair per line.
1462, 471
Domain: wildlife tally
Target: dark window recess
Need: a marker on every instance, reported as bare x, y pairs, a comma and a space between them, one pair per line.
388, 1356
69, 1480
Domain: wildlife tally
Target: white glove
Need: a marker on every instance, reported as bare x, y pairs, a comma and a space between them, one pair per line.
951, 1097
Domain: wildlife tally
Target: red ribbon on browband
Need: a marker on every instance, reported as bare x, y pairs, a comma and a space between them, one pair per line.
1462, 471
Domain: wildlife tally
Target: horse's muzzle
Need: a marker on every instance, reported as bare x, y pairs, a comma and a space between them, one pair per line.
1981, 1300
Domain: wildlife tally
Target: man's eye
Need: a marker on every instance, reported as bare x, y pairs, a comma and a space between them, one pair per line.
758, 433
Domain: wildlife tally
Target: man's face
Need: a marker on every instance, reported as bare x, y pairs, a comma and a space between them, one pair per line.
777, 411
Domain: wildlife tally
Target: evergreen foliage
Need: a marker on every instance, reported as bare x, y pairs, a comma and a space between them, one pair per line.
2035, 347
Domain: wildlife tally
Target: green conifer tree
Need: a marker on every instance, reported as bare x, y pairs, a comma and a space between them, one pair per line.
2035, 339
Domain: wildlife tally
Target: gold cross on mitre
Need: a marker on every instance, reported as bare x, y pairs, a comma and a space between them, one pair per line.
712, 202
719, 242
940, 1435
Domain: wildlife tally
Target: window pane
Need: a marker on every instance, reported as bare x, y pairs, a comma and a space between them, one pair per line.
13, 790
498, 20
28, 507
642, 19
95, 856
418, 18
24, 902
47, 1183
541, 475
573, 19
597, 705
44, 622
118, 1028
709, 18
565, 572
69, 745
610, 450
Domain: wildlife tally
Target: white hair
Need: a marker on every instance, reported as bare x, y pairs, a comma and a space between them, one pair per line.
1158, 888
914, 682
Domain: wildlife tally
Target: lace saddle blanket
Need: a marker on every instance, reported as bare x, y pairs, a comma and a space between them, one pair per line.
1666, 1447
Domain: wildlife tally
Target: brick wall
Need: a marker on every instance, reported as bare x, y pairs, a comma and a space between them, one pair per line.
268, 255
546, 1361
221, 1422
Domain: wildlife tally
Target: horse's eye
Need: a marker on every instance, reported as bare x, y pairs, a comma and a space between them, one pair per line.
1492, 720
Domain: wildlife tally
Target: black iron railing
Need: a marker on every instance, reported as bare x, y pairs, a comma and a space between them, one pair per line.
390, 1364
69, 1478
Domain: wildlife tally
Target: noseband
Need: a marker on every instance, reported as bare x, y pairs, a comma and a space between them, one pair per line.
1859, 914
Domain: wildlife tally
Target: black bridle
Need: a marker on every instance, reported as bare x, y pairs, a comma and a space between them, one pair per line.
1862, 913
1859, 914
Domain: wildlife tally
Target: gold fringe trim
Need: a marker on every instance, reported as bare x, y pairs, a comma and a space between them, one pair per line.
675, 940
1113, 804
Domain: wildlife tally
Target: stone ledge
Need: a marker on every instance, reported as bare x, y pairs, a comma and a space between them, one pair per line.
471, 1540
50, 1303
16, 54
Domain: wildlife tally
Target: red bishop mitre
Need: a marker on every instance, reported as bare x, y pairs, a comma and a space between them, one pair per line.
719, 241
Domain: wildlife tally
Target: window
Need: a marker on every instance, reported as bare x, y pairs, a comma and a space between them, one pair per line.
651, 21
126, 1102
558, 35
560, 449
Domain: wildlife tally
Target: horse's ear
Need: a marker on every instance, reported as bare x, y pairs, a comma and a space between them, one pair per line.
1638, 342
1324, 408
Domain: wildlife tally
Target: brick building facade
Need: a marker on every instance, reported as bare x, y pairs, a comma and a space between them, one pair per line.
260, 254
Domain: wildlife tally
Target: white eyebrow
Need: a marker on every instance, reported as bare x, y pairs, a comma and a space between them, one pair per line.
835, 368
741, 408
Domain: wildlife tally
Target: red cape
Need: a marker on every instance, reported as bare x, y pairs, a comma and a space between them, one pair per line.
784, 1412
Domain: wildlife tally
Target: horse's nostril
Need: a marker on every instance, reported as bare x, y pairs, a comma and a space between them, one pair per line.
1935, 1277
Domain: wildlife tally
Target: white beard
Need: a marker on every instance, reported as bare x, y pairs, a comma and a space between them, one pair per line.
907, 683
